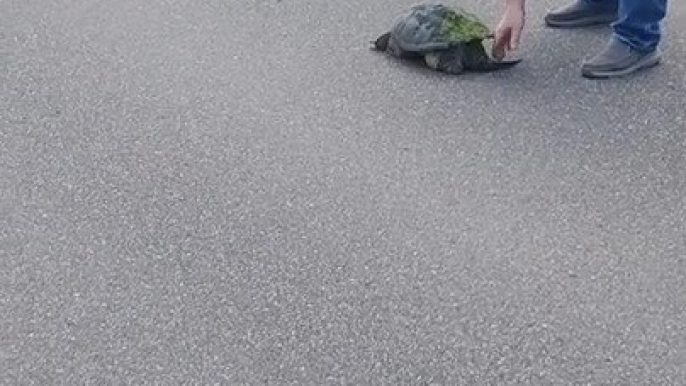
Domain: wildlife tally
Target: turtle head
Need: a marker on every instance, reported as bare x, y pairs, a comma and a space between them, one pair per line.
381, 42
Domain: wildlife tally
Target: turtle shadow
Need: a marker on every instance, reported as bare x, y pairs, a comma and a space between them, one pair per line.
417, 66
413, 63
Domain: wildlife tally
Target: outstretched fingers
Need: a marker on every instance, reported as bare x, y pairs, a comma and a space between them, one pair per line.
501, 43
508, 33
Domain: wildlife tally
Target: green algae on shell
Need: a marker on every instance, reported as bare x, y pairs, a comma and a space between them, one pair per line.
461, 26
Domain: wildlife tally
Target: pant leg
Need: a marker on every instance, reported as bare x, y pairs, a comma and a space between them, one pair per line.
639, 23
600, 1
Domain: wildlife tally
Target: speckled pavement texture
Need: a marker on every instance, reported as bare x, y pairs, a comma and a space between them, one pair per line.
242, 193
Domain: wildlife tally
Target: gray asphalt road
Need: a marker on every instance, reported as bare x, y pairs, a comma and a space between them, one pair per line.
225, 192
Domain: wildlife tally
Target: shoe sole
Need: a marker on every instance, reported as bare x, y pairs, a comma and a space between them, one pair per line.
581, 22
645, 63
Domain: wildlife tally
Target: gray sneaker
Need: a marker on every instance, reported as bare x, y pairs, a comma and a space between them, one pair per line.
582, 14
619, 59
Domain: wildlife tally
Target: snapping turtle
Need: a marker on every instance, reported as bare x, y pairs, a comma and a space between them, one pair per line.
449, 39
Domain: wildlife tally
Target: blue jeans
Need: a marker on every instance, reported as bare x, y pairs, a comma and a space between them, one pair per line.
638, 24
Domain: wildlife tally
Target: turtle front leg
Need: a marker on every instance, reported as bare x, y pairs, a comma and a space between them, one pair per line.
449, 62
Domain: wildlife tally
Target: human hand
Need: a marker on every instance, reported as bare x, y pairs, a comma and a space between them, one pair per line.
508, 32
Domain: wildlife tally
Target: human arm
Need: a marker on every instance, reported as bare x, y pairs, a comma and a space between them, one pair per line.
508, 32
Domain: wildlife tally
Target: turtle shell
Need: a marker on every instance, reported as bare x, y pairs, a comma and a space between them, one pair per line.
430, 27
